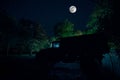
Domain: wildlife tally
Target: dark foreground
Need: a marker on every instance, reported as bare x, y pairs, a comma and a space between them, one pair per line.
21, 68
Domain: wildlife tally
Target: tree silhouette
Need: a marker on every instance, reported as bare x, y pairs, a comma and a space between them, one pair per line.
64, 29
34, 36
105, 19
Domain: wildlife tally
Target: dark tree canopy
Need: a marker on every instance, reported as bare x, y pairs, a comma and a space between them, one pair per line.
105, 18
64, 29
34, 36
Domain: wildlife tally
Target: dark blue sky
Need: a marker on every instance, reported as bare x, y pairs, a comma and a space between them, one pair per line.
50, 12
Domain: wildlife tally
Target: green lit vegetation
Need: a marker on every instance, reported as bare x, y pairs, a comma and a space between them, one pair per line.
27, 36
64, 29
104, 19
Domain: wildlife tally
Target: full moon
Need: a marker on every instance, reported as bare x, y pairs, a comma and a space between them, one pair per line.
72, 9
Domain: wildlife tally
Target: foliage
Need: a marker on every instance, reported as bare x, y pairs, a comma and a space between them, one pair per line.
24, 36
35, 45
53, 38
100, 15
35, 38
64, 29
111, 61
78, 33
104, 19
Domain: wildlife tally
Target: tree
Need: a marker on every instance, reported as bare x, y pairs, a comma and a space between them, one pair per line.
101, 13
26, 28
64, 29
78, 33
41, 35
34, 36
105, 18
39, 32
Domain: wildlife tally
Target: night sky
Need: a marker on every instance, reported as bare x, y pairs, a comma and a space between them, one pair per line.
50, 12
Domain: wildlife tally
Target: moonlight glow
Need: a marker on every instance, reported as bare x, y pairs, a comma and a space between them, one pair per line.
72, 9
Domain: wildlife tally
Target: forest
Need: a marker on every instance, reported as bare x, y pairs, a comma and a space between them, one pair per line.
27, 37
